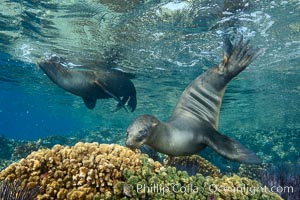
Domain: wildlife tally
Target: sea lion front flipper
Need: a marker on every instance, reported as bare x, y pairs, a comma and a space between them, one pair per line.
202, 99
227, 48
111, 94
90, 103
230, 148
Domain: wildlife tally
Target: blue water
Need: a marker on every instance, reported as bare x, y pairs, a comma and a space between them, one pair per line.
166, 44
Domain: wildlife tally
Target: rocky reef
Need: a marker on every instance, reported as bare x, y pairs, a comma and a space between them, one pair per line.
110, 171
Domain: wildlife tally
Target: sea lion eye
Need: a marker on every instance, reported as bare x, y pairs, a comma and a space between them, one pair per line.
142, 135
143, 132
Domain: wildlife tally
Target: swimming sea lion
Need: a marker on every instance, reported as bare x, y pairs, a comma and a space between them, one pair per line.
194, 122
91, 84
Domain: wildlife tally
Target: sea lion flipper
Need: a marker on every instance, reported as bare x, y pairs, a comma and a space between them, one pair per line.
230, 148
236, 58
90, 103
119, 105
227, 48
132, 100
202, 99
111, 94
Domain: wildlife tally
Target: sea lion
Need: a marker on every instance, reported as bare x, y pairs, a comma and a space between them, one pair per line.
194, 122
91, 84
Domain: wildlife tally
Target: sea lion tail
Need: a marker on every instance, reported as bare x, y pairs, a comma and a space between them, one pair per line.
237, 56
231, 149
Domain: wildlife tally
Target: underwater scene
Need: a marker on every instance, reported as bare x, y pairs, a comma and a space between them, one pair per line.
126, 99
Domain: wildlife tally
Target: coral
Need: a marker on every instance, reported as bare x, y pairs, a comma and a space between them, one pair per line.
13, 190
81, 171
93, 171
193, 164
167, 183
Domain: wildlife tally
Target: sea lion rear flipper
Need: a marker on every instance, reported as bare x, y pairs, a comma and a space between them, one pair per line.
132, 100
111, 94
119, 105
90, 103
230, 148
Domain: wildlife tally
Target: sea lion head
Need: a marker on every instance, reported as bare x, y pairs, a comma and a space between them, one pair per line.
139, 131
55, 68
51, 61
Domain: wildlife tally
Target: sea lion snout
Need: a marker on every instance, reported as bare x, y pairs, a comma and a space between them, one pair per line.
134, 140
130, 145
51, 61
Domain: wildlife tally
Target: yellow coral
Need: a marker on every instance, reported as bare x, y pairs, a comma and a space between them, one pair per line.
67, 172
